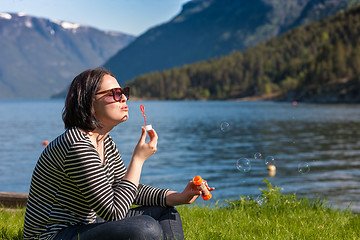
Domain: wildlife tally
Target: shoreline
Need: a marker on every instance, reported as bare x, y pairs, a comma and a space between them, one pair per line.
13, 199
276, 97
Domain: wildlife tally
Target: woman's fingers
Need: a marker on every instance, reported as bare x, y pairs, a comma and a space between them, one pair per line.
153, 140
143, 135
207, 186
153, 135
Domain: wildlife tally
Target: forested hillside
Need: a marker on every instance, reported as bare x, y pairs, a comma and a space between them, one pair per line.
317, 62
213, 28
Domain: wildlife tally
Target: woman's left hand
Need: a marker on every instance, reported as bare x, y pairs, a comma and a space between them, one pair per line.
188, 196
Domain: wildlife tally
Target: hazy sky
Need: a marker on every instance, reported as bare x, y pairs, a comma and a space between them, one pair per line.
127, 16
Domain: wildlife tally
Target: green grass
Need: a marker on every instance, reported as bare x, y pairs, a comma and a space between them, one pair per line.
276, 216
11, 223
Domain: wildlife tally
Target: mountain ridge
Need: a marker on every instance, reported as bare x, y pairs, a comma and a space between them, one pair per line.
41, 56
212, 28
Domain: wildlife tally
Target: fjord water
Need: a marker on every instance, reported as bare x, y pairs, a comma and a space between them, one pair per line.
326, 136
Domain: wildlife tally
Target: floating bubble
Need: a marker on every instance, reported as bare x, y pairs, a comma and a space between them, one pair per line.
261, 200
257, 155
269, 160
224, 127
303, 168
243, 165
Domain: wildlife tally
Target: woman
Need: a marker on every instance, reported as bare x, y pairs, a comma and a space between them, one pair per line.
80, 188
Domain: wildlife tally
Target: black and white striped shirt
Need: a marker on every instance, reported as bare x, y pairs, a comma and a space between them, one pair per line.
71, 186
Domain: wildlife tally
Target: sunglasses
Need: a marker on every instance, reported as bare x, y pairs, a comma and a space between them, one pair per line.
116, 93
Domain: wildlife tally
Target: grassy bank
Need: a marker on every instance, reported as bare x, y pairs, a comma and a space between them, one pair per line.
271, 216
11, 223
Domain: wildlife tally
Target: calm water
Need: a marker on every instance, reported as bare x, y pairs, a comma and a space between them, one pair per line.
327, 137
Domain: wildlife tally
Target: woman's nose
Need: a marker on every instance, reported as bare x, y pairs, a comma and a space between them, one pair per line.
123, 98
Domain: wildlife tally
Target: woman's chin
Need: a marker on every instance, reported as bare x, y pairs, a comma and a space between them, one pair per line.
126, 117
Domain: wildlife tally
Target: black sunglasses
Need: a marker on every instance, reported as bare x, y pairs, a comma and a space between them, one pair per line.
116, 93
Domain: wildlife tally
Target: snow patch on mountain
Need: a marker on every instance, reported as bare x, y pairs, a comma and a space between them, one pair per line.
5, 16
69, 25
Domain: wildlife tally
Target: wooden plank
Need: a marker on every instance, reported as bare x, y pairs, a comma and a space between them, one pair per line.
11, 199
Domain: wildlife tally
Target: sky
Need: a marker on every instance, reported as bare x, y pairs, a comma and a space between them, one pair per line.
127, 16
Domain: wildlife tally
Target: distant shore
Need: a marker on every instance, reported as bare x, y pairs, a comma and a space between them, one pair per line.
277, 97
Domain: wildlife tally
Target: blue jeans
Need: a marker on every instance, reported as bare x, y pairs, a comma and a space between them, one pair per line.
140, 223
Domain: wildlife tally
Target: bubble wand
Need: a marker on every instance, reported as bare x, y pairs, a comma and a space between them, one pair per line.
147, 127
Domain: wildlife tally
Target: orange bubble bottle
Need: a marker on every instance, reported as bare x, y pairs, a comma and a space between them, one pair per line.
198, 181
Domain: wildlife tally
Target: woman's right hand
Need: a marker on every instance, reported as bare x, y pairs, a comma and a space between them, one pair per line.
144, 150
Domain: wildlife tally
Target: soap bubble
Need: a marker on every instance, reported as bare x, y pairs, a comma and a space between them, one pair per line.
224, 127
261, 200
269, 160
303, 167
257, 155
243, 165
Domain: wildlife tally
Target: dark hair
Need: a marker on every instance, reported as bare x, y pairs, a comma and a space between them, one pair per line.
79, 111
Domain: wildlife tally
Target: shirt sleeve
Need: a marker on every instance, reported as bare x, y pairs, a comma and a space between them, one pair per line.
146, 195
151, 196
84, 168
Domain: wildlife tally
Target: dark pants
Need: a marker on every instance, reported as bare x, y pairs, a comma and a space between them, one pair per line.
140, 223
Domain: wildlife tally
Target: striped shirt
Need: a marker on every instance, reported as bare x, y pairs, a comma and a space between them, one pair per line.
71, 186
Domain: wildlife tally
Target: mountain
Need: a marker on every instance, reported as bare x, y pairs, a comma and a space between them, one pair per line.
40, 57
318, 62
211, 28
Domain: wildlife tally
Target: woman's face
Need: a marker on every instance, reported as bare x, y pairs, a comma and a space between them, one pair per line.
107, 110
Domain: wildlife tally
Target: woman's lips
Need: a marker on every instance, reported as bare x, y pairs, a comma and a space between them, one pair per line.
125, 108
